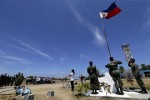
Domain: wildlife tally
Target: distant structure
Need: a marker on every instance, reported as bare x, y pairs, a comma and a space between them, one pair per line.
145, 73
126, 49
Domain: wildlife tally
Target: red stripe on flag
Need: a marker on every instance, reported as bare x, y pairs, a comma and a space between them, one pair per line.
113, 12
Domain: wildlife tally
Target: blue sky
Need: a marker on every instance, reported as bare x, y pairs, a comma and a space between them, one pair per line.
51, 37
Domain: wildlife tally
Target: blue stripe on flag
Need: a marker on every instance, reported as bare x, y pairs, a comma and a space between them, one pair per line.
111, 7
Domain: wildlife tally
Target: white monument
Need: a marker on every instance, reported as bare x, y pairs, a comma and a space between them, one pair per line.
127, 95
108, 79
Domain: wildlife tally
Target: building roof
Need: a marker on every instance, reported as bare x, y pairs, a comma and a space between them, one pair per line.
143, 71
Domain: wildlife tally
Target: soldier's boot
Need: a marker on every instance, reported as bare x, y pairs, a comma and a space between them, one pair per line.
92, 92
143, 91
96, 92
117, 91
140, 91
121, 91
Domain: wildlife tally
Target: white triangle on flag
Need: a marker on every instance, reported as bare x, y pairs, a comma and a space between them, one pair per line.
103, 14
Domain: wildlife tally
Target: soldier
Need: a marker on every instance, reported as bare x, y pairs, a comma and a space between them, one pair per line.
93, 78
115, 74
135, 71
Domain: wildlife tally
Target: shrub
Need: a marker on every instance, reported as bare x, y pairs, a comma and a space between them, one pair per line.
82, 89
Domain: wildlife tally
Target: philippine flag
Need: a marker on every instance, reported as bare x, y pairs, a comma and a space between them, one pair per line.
111, 11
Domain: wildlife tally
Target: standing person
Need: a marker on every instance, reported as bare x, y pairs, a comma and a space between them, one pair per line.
136, 74
93, 78
115, 74
71, 76
81, 78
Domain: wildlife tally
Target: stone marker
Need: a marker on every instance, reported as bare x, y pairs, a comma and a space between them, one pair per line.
50, 93
29, 97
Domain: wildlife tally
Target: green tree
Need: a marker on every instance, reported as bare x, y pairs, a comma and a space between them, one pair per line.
148, 67
144, 67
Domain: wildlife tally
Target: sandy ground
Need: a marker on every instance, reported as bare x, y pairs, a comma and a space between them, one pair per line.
40, 92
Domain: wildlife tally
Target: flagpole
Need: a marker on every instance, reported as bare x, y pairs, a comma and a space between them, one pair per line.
105, 37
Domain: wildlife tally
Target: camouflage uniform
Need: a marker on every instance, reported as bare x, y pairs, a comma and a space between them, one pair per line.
93, 78
115, 74
136, 74
135, 71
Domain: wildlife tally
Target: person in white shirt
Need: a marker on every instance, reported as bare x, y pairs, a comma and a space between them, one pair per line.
71, 76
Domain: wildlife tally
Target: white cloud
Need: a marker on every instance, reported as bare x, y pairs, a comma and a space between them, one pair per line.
99, 39
34, 49
82, 56
8, 62
62, 59
62, 73
146, 24
2, 53
8, 58
23, 49
27, 70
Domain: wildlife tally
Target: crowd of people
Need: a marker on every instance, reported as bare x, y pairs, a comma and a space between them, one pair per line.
16, 80
39, 80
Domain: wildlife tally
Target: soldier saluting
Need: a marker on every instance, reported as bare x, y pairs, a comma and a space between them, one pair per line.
135, 72
115, 74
